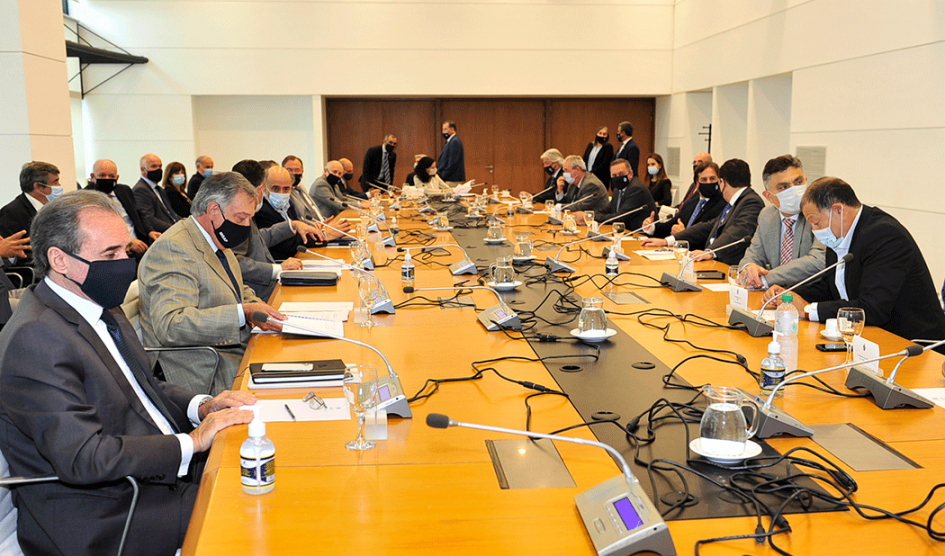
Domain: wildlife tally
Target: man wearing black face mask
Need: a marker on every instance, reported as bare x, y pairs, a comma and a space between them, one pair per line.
150, 197
377, 172
628, 149
105, 179
192, 290
629, 193
452, 161
84, 406
328, 193
348, 175
552, 162
705, 206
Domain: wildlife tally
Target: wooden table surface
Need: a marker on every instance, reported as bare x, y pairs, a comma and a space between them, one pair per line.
431, 491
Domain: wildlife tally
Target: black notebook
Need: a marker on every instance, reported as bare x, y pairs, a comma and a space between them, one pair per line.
282, 372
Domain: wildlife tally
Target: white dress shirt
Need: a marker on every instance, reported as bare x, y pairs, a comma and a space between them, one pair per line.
840, 279
92, 313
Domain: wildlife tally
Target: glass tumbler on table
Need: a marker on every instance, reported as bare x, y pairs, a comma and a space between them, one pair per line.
360, 388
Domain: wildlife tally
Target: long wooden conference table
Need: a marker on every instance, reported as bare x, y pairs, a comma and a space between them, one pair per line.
431, 491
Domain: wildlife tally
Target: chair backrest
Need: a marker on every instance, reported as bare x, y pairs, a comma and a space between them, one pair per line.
131, 306
9, 545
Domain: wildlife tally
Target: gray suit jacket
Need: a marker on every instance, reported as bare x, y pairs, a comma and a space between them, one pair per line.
67, 409
765, 250
152, 208
187, 299
255, 259
327, 198
592, 195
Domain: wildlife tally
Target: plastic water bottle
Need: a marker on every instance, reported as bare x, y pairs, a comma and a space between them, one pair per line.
258, 460
407, 271
785, 323
612, 266
772, 368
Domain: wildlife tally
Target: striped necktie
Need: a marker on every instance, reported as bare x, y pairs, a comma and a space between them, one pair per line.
787, 244
385, 166
696, 212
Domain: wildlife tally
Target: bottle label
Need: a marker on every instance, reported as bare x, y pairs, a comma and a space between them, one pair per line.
266, 471
770, 378
611, 269
406, 272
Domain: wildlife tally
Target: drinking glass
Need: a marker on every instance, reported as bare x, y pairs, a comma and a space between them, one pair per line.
523, 246
588, 218
502, 271
360, 388
680, 251
850, 321
495, 191
733, 276
619, 228
359, 253
592, 320
370, 290
570, 225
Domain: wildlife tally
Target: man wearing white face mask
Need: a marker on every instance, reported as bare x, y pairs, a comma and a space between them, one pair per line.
887, 277
39, 183
783, 250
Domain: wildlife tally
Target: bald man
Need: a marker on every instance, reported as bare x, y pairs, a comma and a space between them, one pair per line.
700, 158
327, 191
150, 197
348, 175
104, 178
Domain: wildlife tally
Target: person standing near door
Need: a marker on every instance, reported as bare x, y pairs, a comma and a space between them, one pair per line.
451, 164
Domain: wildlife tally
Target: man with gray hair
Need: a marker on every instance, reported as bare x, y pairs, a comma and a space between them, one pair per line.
327, 192
39, 184
585, 191
204, 166
192, 291
78, 401
552, 162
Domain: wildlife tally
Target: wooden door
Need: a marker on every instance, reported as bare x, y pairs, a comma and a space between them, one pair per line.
502, 140
355, 125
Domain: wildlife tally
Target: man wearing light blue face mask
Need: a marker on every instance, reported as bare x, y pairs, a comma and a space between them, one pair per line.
783, 250
887, 277
204, 166
39, 183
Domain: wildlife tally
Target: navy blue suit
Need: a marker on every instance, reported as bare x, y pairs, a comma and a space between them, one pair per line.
452, 165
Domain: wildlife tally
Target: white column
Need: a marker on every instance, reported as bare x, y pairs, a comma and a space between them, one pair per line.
35, 122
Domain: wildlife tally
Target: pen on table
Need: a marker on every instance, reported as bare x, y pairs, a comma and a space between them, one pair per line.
312, 396
290, 412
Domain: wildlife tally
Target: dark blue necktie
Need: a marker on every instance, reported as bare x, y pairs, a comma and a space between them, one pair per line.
695, 213
137, 370
226, 267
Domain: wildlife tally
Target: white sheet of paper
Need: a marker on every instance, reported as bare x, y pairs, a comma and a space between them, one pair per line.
273, 411
716, 287
340, 316
315, 306
768, 314
936, 395
864, 349
738, 297
312, 327
323, 265
657, 254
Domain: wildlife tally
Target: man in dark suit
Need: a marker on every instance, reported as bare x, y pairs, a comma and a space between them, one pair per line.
204, 170
276, 209
104, 178
553, 164
585, 191
628, 150
602, 153
738, 220
705, 206
86, 408
699, 159
150, 197
629, 194
888, 277
380, 161
348, 176
452, 162
39, 183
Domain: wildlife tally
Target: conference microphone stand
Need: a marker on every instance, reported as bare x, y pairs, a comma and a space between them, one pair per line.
555, 264
680, 284
383, 305
600, 237
465, 266
392, 397
623, 256
494, 318
887, 394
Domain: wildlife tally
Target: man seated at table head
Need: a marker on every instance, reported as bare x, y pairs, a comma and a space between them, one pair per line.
82, 404
629, 194
553, 163
192, 290
887, 278
739, 219
584, 191
783, 250
707, 204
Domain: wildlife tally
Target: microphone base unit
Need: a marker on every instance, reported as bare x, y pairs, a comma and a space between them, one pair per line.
753, 325
621, 520
426, 209
522, 210
774, 421
464, 266
391, 397
389, 241
373, 229
499, 317
886, 395
621, 256
369, 263
678, 284
554, 221
557, 266
598, 236
384, 305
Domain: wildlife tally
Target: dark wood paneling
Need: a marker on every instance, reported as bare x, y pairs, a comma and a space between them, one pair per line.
574, 123
355, 125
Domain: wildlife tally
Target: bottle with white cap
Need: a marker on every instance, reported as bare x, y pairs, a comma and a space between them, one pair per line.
612, 265
772, 368
407, 270
257, 459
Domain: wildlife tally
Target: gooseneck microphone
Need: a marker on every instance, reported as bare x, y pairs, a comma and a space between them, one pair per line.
555, 264
628, 213
391, 392
887, 394
680, 284
618, 515
384, 304
465, 266
757, 326
494, 318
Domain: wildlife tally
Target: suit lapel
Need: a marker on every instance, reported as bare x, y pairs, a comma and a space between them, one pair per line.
56, 303
210, 256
